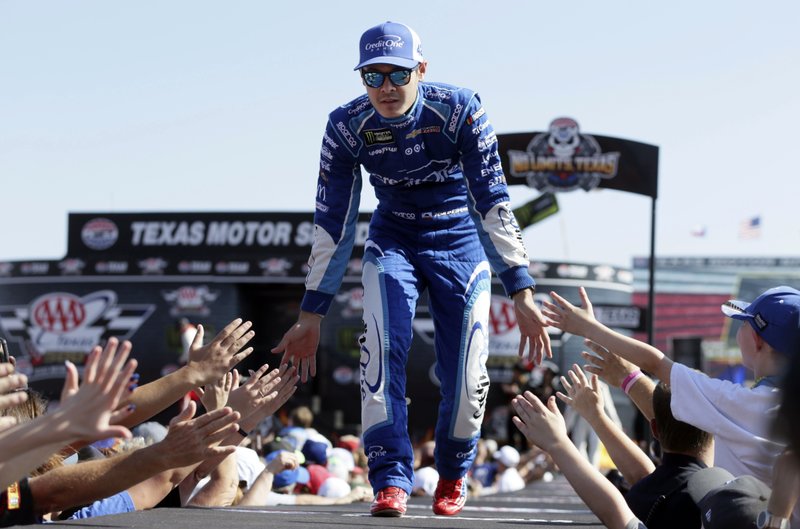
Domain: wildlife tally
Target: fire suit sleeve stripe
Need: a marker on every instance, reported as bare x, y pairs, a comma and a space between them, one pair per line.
338, 196
329, 259
335, 269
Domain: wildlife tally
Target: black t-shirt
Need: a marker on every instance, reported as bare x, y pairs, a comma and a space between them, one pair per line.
664, 493
16, 505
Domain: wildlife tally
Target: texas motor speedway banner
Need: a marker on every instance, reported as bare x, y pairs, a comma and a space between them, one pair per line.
197, 235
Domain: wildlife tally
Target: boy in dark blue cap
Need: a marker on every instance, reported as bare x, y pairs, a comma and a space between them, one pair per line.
740, 418
443, 216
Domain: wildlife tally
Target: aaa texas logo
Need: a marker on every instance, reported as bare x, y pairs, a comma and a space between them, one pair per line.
59, 323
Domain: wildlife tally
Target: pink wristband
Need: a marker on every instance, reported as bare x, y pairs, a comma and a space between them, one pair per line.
630, 380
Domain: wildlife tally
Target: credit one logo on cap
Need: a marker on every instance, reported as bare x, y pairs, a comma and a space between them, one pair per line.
386, 41
99, 234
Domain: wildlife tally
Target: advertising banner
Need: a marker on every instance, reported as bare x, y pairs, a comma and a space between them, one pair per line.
191, 236
49, 323
564, 159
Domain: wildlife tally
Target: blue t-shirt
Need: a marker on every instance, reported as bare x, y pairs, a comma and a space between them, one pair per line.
116, 504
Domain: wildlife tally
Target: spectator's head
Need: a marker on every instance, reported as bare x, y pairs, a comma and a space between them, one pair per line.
508, 456
425, 481
292, 438
774, 316
334, 487
248, 466
349, 442
315, 452
35, 406
302, 417
341, 463
151, 431
674, 435
726, 502
318, 476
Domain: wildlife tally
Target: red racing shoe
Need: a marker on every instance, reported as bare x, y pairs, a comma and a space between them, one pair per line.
390, 501
450, 496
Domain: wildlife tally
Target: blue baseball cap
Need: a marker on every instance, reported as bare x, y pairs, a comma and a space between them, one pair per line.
390, 43
775, 316
315, 452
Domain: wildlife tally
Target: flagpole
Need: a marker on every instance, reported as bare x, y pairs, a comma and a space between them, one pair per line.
651, 290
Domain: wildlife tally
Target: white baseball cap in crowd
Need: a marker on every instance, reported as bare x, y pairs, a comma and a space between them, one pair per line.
248, 464
425, 480
508, 456
334, 487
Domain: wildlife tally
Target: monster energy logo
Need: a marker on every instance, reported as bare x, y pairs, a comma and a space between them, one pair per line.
371, 137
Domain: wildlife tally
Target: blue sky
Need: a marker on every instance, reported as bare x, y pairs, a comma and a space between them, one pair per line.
122, 106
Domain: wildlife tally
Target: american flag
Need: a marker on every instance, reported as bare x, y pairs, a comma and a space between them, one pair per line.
750, 228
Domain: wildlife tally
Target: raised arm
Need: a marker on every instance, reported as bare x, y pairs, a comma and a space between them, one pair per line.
615, 371
580, 320
85, 412
224, 477
265, 396
261, 396
187, 442
335, 219
148, 493
207, 364
257, 495
544, 426
584, 395
221, 488
785, 485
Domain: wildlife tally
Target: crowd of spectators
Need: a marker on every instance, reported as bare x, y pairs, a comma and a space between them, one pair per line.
749, 479
726, 459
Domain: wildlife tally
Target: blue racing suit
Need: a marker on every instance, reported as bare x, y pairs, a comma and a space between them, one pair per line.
442, 211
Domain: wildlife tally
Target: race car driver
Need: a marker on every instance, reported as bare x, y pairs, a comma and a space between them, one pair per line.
442, 218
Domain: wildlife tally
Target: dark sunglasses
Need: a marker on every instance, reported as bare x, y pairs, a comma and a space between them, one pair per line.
400, 77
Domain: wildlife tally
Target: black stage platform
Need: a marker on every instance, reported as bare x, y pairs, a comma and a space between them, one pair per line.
541, 505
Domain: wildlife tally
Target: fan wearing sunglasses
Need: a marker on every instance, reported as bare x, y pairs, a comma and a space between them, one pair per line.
442, 223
